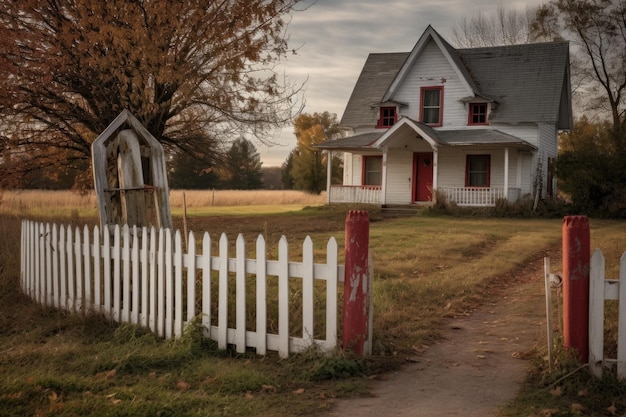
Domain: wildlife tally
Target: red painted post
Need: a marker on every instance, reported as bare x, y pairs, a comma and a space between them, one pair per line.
355, 308
576, 258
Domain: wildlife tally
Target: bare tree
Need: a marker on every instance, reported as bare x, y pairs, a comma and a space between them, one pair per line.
597, 31
505, 27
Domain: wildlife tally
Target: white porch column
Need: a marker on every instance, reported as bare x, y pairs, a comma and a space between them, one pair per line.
383, 185
435, 172
329, 174
506, 174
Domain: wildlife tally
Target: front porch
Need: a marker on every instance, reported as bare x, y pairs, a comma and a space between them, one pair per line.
462, 196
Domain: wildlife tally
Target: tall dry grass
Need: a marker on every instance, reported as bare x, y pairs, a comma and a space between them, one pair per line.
29, 201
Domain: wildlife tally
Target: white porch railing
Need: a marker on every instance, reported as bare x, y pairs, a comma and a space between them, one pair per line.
473, 196
365, 194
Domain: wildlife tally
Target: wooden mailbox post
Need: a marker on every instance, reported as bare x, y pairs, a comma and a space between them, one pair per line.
130, 176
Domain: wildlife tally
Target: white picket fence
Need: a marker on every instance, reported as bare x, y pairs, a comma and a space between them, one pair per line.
601, 289
144, 277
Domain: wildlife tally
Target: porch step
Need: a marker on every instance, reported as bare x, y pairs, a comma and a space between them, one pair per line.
397, 211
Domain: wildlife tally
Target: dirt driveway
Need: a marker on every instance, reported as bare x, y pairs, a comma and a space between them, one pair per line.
476, 369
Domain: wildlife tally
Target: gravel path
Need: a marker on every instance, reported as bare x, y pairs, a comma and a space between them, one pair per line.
476, 369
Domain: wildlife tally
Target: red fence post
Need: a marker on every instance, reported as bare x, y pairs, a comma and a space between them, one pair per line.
576, 258
355, 291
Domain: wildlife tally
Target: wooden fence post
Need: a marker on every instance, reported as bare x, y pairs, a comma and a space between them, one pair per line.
576, 258
355, 294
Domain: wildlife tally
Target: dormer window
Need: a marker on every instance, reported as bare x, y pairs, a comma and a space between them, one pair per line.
388, 117
431, 108
477, 114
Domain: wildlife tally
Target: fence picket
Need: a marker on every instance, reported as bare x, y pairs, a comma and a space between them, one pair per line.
71, 276
149, 279
87, 268
621, 332
54, 250
116, 256
40, 289
78, 259
596, 312
97, 271
161, 284
308, 332
135, 289
152, 320
206, 266
261, 296
106, 261
331, 290
126, 274
283, 298
145, 287
178, 284
47, 245
222, 302
191, 277
169, 285
240, 294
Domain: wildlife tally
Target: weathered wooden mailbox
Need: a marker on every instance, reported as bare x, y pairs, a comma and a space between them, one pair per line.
130, 176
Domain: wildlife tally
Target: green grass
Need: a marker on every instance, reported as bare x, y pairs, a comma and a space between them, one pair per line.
425, 268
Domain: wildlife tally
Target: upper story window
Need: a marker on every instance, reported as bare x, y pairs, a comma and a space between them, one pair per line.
477, 171
477, 114
372, 170
431, 108
388, 117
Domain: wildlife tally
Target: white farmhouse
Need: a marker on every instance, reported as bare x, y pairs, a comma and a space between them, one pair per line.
476, 125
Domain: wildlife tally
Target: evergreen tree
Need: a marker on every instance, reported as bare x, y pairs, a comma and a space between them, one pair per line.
241, 169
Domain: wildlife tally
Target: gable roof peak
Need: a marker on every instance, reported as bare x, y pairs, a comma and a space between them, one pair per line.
447, 50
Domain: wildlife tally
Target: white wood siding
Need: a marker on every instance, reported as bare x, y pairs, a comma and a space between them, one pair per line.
548, 140
433, 69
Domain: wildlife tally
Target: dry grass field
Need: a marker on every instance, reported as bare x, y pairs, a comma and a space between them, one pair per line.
34, 200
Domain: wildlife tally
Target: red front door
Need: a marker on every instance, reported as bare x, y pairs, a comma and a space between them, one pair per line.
423, 176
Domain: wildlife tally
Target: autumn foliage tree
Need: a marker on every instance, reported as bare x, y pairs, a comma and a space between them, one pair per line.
196, 73
308, 164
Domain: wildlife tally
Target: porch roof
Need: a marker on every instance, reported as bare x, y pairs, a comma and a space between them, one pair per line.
459, 137
356, 142
479, 137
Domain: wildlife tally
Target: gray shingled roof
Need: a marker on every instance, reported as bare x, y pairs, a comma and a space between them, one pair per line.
377, 74
527, 81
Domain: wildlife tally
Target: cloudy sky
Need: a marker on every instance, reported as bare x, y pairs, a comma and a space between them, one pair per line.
334, 37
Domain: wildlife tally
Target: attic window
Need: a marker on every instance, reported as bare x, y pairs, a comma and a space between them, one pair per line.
388, 117
431, 106
477, 114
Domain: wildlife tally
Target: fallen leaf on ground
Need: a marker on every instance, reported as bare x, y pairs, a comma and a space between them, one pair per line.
299, 391
182, 385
